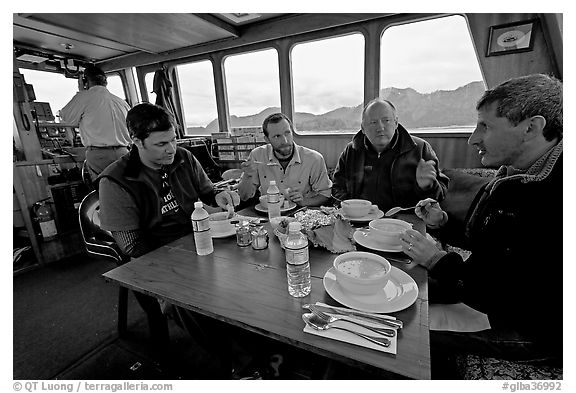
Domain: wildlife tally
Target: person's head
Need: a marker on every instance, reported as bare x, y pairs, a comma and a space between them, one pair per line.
152, 129
379, 122
278, 129
518, 121
94, 76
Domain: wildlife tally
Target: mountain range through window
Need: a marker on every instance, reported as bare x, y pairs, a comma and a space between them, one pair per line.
444, 109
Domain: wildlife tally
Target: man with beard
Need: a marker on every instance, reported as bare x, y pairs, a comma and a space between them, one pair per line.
300, 173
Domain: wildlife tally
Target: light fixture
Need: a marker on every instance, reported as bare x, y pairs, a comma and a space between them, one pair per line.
67, 45
32, 58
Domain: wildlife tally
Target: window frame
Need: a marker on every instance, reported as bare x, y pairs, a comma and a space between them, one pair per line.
327, 36
371, 29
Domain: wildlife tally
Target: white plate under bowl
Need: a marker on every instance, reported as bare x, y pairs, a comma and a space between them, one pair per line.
363, 237
220, 235
262, 209
400, 292
373, 215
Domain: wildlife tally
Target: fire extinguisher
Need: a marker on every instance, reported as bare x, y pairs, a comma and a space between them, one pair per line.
43, 215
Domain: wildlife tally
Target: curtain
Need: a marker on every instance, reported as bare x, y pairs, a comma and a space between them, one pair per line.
163, 89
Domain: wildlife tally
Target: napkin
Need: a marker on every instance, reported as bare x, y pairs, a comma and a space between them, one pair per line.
351, 338
457, 318
336, 237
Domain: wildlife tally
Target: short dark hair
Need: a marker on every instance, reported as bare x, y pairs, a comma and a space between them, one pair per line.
527, 96
275, 118
95, 75
146, 118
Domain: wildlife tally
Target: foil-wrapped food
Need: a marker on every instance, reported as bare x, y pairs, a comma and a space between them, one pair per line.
312, 219
324, 228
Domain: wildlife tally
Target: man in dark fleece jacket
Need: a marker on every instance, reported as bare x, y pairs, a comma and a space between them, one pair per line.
513, 229
385, 164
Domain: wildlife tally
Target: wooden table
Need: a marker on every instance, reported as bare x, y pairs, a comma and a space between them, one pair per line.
248, 288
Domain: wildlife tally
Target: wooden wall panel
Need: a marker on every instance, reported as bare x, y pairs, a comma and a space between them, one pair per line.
497, 69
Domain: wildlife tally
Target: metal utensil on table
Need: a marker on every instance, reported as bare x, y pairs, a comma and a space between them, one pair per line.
319, 324
331, 319
395, 210
297, 211
396, 323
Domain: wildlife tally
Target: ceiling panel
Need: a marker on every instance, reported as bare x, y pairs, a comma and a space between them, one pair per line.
153, 33
56, 43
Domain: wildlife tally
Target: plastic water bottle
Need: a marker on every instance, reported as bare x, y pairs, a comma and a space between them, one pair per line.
273, 200
297, 263
201, 228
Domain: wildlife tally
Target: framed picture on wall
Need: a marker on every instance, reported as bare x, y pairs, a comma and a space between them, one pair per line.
511, 38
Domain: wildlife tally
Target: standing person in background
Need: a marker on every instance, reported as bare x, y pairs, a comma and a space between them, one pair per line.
300, 172
385, 164
101, 117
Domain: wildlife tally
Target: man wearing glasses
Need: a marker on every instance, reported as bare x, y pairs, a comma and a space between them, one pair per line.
385, 164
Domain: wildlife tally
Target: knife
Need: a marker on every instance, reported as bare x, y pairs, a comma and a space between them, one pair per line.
388, 321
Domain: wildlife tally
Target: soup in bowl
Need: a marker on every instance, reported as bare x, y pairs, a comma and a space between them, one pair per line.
357, 207
361, 273
388, 230
220, 223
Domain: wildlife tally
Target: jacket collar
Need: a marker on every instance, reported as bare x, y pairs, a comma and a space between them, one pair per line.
405, 141
274, 160
539, 171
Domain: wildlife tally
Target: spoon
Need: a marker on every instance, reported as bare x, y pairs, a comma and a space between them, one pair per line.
331, 319
318, 324
395, 210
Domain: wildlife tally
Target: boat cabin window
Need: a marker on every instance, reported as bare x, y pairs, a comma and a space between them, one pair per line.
149, 80
51, 87
57, 90
196, 82
115, 85
426, 65
253, 84
328, 74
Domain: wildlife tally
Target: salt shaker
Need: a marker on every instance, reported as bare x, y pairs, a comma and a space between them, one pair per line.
259, 238
243, 237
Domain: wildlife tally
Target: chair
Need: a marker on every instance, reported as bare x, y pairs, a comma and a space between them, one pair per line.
86, 178
100, 242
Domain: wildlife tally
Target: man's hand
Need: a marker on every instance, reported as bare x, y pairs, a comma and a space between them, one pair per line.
227, 199
250, 168
295, 196
430, 212
426, 173
418, 247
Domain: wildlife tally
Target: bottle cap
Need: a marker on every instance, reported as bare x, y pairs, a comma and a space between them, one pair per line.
272, 182
294, 226
198, 204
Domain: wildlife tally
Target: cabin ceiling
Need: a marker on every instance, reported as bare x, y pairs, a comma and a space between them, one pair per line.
44, 39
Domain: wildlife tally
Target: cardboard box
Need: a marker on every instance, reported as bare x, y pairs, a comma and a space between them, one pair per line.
224, 155
245, 139
243, 155
247, 130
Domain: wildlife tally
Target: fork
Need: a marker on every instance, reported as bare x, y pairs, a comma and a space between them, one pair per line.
330, 319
